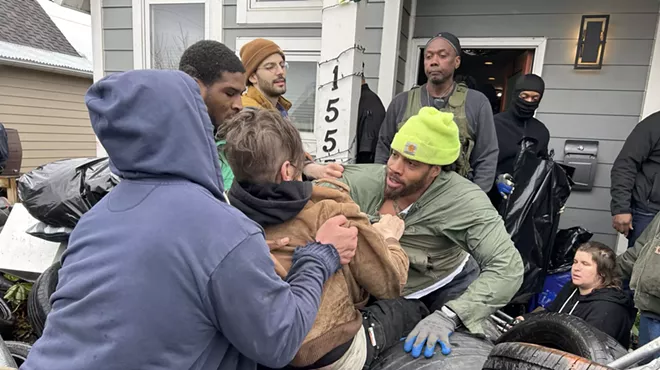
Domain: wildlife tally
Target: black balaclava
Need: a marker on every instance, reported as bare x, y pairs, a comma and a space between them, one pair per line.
522, 109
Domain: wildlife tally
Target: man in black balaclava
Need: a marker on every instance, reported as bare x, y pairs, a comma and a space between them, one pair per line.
513, 125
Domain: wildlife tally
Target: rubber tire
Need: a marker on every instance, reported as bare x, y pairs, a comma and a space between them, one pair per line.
516, 356
7, 318
39, 299
5, 284
468, 352
566, 333
6, 358
19, 351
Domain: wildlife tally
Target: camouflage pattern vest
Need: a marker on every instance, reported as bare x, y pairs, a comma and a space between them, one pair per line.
456, 105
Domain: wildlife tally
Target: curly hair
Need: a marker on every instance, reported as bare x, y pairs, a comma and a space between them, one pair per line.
605, 260
206, 60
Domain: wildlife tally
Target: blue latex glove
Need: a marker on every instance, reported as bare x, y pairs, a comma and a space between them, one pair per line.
504, 189
505, 185
434, 329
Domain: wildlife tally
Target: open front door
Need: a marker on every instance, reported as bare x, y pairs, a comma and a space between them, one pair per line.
522, 65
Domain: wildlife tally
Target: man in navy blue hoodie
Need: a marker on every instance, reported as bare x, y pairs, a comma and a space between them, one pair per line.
162, 273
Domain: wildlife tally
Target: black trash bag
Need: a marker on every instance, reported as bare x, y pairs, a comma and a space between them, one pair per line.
59, 193
566, 244
531, 214
50, 233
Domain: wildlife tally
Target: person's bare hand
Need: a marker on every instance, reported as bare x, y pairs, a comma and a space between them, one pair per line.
622, 223
390, 226
335, 231
277, 244
319, 171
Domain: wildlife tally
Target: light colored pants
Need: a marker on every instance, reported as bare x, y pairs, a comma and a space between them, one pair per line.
355, 357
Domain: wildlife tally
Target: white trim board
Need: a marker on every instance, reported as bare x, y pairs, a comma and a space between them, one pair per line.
539, 45
389, 50
278, 12
98, 68
213, 15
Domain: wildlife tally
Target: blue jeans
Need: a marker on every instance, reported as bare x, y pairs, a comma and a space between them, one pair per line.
640, 220
649, 329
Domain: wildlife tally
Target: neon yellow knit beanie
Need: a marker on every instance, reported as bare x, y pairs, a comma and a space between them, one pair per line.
430, 137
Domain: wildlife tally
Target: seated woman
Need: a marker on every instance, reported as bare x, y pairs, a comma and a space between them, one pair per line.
594, 293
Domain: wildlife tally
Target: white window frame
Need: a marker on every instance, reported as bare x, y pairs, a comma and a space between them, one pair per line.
277, 12
142, 26
296, 49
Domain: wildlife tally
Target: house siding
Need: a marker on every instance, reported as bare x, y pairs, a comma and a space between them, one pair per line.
117, 25
49, 112
403, 46
601, 105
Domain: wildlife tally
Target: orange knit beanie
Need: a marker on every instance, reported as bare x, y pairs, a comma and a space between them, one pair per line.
255, 51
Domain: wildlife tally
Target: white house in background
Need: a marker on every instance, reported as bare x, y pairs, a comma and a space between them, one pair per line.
502, 39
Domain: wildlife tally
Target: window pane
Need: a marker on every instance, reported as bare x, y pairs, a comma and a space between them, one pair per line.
301, 91
174, 27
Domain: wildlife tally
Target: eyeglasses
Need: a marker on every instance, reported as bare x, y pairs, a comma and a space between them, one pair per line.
272, 67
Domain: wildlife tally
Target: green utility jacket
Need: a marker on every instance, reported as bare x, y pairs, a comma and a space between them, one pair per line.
641, 264
453, 217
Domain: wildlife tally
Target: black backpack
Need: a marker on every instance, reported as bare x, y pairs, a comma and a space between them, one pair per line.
4, 147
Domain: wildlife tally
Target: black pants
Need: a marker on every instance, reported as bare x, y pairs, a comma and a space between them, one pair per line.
435, 300
387, 321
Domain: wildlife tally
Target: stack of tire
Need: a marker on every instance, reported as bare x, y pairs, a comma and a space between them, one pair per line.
39, 299
542, 342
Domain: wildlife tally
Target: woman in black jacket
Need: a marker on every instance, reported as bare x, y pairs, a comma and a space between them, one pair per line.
594, 293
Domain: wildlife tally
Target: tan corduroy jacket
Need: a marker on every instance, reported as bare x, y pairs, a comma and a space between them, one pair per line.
379, 268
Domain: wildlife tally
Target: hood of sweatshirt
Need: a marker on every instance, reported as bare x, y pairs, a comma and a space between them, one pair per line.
154, 124
270, 204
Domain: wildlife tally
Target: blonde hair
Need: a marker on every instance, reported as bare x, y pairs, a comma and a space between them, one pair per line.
259, 141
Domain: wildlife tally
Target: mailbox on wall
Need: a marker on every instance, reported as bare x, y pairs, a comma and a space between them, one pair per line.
583, 156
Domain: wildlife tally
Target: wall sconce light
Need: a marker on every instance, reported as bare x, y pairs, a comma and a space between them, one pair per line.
591, 42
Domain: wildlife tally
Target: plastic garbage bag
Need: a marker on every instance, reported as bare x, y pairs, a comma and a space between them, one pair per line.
551, 287
567, 242
59, 193
50, 233
531, 214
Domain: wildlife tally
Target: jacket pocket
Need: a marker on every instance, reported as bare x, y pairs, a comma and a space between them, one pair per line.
654, 192
419, 260
645, 272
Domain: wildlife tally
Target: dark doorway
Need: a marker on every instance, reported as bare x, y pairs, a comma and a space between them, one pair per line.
491, 71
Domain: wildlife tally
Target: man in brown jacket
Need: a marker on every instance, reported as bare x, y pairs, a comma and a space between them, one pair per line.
266, 155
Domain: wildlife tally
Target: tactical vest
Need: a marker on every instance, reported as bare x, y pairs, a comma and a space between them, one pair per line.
456, 105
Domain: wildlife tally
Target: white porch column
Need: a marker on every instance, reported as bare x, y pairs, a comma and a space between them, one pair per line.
389, 50
339, 81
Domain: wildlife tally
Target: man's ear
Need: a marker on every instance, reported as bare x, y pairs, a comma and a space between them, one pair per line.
457, 62
202, 88
253, 79
435, 171
284, 171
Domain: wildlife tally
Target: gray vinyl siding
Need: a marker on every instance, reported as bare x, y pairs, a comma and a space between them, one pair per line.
373, 37
117, 23
599, 105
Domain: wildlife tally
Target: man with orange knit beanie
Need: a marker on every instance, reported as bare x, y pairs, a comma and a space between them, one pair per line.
265, 72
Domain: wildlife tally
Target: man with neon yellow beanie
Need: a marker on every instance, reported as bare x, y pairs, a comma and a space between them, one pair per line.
463, 264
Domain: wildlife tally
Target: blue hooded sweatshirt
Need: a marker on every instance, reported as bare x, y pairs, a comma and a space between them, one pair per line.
162, 273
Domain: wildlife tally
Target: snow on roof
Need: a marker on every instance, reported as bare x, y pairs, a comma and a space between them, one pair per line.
30, 55
75, 25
